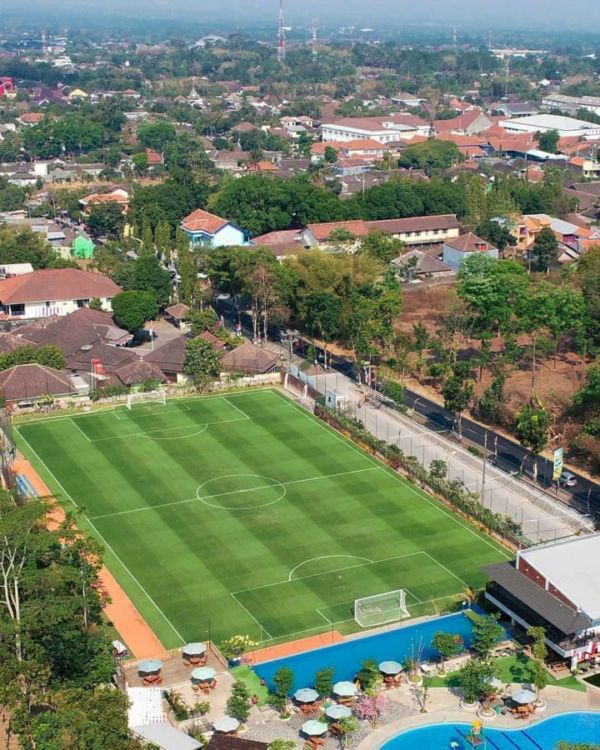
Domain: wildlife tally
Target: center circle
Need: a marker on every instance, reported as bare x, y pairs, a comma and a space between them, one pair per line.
241, 492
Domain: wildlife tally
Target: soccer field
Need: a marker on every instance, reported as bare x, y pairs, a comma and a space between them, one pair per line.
242, 513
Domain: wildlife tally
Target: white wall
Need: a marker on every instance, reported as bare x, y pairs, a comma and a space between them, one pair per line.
228, 235
61, 307
453, 258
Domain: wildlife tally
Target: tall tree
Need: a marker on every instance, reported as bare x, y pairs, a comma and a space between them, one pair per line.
187, 268
149, 276
532, 425
458, 393
132, 309
202, 363
162, 237
545, 249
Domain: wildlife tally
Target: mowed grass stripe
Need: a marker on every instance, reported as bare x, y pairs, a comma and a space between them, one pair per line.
189, 557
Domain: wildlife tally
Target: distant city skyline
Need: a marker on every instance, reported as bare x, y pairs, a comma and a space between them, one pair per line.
543, 13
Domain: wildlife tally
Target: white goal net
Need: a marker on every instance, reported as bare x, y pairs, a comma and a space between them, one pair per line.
380, 608
141, 397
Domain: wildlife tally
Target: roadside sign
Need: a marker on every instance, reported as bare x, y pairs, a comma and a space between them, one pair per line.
558, 464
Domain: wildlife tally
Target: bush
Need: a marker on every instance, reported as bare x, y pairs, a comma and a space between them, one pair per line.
177, 704
238, 704
108, 391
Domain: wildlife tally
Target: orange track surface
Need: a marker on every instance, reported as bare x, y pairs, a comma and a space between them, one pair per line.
131, 626
293, 647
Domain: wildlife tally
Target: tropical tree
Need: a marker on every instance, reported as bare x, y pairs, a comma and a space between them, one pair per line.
188, 269
370, 708
348, 726
487, 633
458, 393
474, 678
238, 703
532, 425
545, 249
324, 682
149, 276
132, 309
106, 219
447, 645
202, 363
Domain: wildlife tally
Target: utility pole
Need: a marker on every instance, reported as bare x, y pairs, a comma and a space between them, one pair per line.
485, 439
281, 36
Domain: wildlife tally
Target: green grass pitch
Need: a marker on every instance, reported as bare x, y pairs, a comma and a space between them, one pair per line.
242, 513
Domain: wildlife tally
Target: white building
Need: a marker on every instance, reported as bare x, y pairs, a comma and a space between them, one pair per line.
571, 104
555, 586
208, 230
54, 291
382, 129
564, 126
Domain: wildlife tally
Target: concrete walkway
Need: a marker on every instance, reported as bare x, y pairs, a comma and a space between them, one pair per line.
541, 518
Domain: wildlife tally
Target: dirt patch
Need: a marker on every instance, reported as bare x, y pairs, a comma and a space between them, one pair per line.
121, 612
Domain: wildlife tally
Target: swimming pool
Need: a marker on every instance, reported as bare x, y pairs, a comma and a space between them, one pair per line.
345, 658
577, 727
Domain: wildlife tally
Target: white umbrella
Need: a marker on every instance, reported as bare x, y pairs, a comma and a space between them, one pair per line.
149, 666
522, 695
306, 695
194, 649
390, 667
314, 728
336, 712
226, 724
203, 674
345, 688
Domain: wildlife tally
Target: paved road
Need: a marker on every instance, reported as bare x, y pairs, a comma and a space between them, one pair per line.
507, 455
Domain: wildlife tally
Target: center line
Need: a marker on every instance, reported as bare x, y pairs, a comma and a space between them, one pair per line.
231, 492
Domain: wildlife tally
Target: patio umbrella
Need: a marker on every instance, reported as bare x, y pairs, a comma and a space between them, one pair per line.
150, 666
194, 649
203, 674
226, 724
314, 728
390, 667
345, 689
494, 682
522, 695
336, 712
306, 695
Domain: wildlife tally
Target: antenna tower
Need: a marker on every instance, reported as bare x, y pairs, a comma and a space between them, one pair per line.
281, 36
454, 37
315, 49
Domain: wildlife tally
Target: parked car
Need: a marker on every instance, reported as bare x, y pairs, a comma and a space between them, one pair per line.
567, 479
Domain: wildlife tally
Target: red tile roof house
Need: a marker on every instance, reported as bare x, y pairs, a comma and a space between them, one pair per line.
54, 291
208, 230
24, 385
455, 251
416, 230
119, 196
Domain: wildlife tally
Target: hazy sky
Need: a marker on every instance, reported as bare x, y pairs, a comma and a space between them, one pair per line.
520, 14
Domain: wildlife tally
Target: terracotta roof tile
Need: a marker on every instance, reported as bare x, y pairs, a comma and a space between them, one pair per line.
55, 284
32, 381
203, 221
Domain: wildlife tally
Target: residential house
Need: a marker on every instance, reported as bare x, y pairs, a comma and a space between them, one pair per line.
80, 330
249, 359
207, 230
417, 264
120, 196
517, 109
177, 315
411, 101
25, 385
588, 168
170, 358
554, 586
139, 370
285, 243
455, 251
471, 122
54, 291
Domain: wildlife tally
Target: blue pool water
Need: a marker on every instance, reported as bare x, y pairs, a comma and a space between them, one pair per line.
345, 658
581, 727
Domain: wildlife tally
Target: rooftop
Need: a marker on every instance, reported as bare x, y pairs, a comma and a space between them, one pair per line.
203, 221
573, 566
53, 284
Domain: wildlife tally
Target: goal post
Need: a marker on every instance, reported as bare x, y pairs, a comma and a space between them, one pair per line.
370, 611
144, 397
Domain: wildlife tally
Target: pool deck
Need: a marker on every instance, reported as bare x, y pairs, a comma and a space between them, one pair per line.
442, 707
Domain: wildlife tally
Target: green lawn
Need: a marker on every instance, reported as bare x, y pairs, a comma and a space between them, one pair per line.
244, 514
516, 668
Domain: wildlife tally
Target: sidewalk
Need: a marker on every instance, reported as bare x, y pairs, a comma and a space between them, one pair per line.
542, 518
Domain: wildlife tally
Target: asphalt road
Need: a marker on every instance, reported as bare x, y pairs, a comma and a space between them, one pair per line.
506, 454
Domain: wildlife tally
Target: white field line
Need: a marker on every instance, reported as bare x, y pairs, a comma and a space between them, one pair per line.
237, 408
404, 482
150, 433
74, 423
230, 492
443, 567
106, 544
262, 628
329, 572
